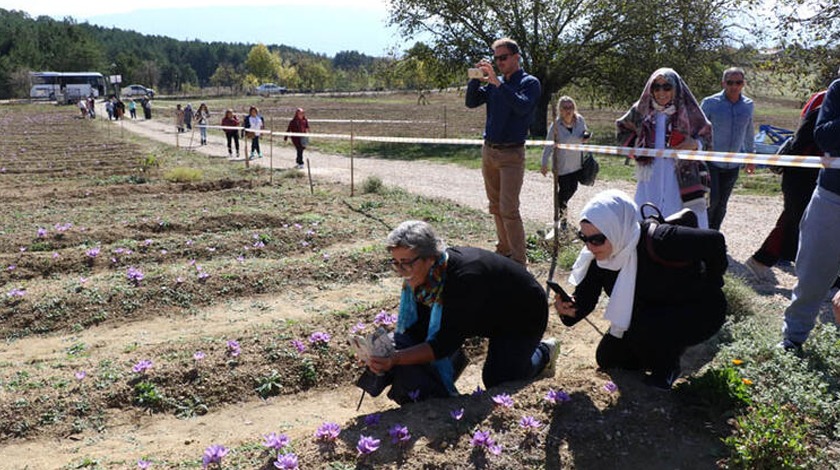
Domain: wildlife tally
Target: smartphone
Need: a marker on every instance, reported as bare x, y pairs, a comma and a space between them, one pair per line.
475, 73
587, 134
559, 291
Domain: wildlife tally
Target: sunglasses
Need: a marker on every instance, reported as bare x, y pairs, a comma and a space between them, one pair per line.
404, 265
595, 240
661, 86
501, 58
734, 82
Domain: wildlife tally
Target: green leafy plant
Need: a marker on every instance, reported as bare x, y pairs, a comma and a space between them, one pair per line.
372, 185
722, 390
182, 174
146, 395
771, 436
269, 385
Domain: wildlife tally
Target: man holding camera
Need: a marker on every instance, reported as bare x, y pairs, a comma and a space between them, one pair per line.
511, 99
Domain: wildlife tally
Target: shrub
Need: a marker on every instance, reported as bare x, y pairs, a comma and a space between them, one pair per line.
771, 436
183, 175
372, 185
722, 390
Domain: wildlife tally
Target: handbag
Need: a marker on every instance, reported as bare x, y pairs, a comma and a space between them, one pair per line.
304, 142
589, 169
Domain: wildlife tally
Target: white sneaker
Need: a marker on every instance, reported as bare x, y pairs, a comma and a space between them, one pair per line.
758, 270
300, 166
553, 345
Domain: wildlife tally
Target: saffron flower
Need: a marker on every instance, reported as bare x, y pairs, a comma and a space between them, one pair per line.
367, 445
55, 255
134, 275
147, 242
399, 434
199, 355
179, 280
481, 439
611, 387
83, 280
529, 423
298, 345
142, 366
259, 244
414, 395
42, 232
286, 461
233, 348
503, 400
12, 267
213, 454
202, 276
457, 414
93, 252
328, 432
557, 396
240, 259
16, 293
319, 338
298, 226
80, 375
477, 392
384, 318
276, 441
144, 464
372, 419
357, 328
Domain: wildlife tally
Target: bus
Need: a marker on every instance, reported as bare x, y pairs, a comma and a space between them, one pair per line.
66, 87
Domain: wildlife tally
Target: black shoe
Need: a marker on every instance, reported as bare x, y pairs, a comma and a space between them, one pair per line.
663, 379
791, 346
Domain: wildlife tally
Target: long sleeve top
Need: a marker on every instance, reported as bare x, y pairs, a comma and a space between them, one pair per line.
732, 125
510, 106
568, 161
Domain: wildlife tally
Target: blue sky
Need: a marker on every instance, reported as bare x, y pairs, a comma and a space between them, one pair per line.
322, 26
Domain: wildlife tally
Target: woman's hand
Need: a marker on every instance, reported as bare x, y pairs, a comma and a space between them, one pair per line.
565, 309
544, 170
688, 144
379, 364
835, 305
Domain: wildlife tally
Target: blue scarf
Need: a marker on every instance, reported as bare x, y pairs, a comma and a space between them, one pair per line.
430, 294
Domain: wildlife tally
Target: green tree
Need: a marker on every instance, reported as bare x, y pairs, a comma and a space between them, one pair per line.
563, 42
262, 63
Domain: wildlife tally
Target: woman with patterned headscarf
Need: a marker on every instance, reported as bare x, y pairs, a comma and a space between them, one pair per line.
664, 282
667, 116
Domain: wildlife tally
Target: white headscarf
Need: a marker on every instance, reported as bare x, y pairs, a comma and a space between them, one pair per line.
615, 214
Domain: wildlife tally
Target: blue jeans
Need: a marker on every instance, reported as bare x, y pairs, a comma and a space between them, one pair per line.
513, 358
722, 182
817, 263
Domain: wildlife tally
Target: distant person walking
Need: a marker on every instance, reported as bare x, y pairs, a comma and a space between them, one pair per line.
188, 116
202, 118
731, 115
132, 108
83, 109
109, 109
569, 128
147, 108
511, 100
254, 122
818, 259
231, 122
667, 116
298, 124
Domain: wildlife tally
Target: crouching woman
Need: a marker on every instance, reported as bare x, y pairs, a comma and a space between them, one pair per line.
664, 282
451, 294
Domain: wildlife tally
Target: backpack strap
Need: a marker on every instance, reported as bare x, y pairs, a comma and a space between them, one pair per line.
651, 251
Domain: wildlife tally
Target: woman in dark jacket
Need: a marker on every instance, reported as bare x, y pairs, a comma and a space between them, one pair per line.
664, 285
298, 124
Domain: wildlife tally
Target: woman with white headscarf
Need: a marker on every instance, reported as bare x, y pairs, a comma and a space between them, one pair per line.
664, 283
667, 116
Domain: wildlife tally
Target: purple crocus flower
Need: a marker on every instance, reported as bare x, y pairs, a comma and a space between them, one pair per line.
557, 396
495, 449
80, 375
357, 328
477, 392
384, 318
399, 434
259, 244
93, 252
42, 232
233, 348
481, 439
134, 275
319, 337
457, 414
147, 242
55, 255
213, 454
276, 441
503, 400
414, 395
199, 355
529, 423
12, 267
298, 345
202, 276
298, 226
367, 445
372, 419
328, 432
611, 387
286, 461
144, 464
16, 293
142, 366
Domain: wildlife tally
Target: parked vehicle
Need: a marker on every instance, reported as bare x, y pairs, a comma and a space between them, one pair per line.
270, 89
66, 87
137, 90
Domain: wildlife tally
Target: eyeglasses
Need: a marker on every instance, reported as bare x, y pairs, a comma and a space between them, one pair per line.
734, 82
567, 107
501, 58
661, 86
404, 265
595, 240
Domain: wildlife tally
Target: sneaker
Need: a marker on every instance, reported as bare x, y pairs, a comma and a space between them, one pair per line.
300, 166
758, 270
230, 154
550, 235
790, 346
663, 379
553, 347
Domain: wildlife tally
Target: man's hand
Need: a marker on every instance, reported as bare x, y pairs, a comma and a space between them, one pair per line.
379, 364
835, 305
489, 72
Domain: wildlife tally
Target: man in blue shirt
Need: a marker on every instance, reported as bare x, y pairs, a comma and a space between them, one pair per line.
511, 100
818, 258
731, 115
